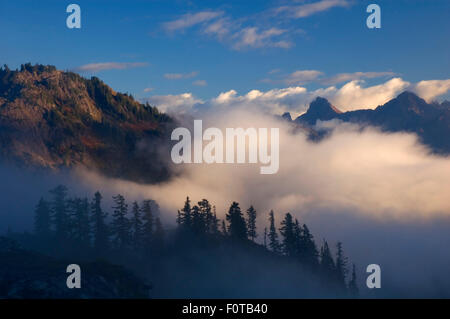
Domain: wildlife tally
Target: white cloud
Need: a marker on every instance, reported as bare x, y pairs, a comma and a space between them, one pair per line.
306, 10
374, 174
231, 31
345, 77
253, 38
179, 76
296, 99
190, 19
96, 67
303, 76
219, 28
174, 104
148, 90
353, 96
429, 90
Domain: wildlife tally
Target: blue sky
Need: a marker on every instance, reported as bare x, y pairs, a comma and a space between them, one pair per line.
171, 47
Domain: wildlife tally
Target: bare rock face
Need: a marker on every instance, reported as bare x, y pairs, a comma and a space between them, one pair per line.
54, 119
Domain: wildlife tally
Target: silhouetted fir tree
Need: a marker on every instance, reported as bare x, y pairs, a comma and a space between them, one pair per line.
298, 239
136, 226
178, 220
237, 229
79, 221
251, 223
289, 245
341, 265
59, 213
197, 221
274, 244
120, 225
327, 265
352, 285
159, 236
207, 216
265, 237
215, 223
224, 228
148, 224
100, 231
185, 214
309, 253
42, 219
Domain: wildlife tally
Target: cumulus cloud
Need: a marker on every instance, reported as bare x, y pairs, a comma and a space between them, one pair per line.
296, 99
429, 90
354, 96
190, 19
179, 76
96, 67
174, 104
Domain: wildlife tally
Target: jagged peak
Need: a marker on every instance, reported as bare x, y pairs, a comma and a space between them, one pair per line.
322, 105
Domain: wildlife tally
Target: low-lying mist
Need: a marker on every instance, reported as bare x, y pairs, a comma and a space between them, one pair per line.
382, 194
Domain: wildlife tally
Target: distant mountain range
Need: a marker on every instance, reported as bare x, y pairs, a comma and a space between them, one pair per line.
50, 118
54, 119
405, 113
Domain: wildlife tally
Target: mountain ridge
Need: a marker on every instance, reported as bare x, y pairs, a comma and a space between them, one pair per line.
405, 113
52, 119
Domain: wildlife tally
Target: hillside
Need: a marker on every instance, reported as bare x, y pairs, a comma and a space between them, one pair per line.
32, 275
55, 119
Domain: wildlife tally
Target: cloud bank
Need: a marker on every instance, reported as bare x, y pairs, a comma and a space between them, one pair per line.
295, 99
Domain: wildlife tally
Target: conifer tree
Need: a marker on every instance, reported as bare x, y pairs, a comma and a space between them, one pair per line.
59, 212
352, 285
120, 224
197, 221
42, 219
341, 265
159, 235
136, 226
100, 231
237, 229
251, 223
215, 223
298, 239
309, 254
327, 265
265, 237
185, 214
148, 225
207, 219
79, 221
224, 228
287, 231
273, 236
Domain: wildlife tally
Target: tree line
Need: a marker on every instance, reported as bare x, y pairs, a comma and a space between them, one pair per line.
138, 228
85, 222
